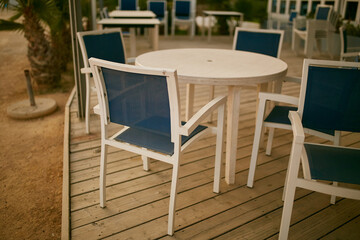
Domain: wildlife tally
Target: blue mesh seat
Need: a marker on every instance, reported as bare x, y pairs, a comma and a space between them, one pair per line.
348, 53
183, 12
144, 104
159, 7
128, 5
107, 44
329, 99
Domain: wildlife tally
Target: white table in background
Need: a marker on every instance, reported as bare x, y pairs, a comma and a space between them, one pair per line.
218, 13
131, 14
133, 23
219, 67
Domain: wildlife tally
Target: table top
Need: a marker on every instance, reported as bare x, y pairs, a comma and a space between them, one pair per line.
222, 13
132, 14
129, 21
216, 66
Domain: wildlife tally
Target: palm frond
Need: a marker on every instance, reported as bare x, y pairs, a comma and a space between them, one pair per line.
16, 16
6, 25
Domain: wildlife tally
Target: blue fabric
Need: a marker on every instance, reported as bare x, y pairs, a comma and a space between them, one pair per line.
334, 163
292, 16
258, 42
332, 99
107, 46
345, 40
322, 13
138, 101
158, 8
154, 141
280, 114
127, 5
182, 9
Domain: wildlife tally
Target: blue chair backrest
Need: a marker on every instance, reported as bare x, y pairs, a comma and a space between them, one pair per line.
137, 100
258, 42
107, 46
293, 15
322, 13
182, 9
127, 4
332, 99
158, 8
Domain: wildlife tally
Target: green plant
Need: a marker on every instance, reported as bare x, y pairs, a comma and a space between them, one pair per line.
253, 10
44, 24
351, 29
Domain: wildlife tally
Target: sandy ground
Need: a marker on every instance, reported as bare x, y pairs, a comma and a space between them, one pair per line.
31, 153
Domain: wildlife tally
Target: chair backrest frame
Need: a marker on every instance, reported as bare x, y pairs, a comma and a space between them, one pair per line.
171, 81
82, 44
279, 34
308, 63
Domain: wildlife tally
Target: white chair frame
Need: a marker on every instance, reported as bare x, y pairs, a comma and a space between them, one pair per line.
191, 21
86, 69
313, 28
351, 53
177, 130
299, 155
164, 21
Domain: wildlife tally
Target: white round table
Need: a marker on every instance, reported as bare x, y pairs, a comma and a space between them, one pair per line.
219, 67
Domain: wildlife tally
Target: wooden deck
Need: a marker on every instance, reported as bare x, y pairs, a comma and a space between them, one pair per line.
137, 201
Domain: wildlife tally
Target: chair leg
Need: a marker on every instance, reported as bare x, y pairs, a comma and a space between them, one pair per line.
172, 28
103, 160
145, 160
270, 141
211, 97
255, 149
287, 210
172, 202
87, 105
337, 137
219, 148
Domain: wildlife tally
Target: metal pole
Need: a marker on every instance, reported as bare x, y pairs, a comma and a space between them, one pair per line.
29, 88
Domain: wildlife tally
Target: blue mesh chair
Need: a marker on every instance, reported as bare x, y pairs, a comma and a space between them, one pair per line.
183, 12
159, 7
129, 5
146, 102
348, 52
105, 44
313, 29
329, 99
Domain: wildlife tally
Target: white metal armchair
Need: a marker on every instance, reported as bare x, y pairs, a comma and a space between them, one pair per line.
347, 52
105, 44
183, 12
312, 30
331, 103
146, 102
159, 7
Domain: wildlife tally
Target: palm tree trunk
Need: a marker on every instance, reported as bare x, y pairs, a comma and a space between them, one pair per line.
39, 52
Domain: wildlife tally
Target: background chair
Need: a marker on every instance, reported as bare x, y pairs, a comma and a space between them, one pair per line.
129, 5
347, 52
331, 103
146, 102
159, 7
312, 30
183, 12
105, 44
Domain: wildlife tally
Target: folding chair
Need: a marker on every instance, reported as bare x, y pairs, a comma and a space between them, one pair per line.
347, 52
183, 12
313, 29
329, 99
146, 102
106, 44
159, 7
129, 5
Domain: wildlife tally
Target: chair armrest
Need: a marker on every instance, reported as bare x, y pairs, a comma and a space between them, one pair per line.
85, 70
130, 60
279, 98
297, 127
205, 111
292, 79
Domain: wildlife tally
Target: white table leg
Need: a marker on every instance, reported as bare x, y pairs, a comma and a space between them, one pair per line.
209, 27
233, 110
203, 26
189, 101
132, 42
155, 37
